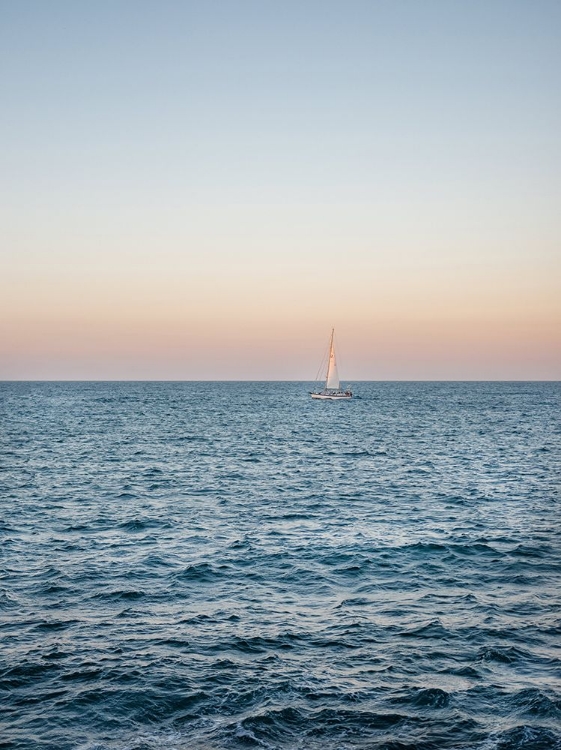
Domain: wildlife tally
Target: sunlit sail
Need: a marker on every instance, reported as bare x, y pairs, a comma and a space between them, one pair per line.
332, 389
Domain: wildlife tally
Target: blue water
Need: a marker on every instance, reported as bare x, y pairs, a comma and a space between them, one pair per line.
233, 565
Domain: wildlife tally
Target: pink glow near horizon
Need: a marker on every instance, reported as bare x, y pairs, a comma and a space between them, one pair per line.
210, 210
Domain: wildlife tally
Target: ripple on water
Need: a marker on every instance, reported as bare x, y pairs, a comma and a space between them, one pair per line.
221, 565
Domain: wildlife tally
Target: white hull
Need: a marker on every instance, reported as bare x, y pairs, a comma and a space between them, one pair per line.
332, 390
333, 396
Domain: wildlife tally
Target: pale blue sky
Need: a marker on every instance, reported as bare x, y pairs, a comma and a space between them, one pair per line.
157, 151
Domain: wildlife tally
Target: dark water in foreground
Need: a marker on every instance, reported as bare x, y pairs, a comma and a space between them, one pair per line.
234, 565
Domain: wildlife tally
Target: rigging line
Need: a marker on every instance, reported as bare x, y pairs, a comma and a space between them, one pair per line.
320, 368
324, 362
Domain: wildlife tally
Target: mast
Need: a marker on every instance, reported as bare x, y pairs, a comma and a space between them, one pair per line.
330, 356
332, 379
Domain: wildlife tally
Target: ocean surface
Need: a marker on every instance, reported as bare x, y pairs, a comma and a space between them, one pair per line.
233, 565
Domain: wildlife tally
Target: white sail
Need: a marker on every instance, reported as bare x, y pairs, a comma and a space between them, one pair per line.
332, 390
332, 379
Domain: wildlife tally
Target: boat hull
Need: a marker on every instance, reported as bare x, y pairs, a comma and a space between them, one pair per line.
332, 390
333, 396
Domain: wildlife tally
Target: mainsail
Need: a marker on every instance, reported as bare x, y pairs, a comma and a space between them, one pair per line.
332, 388
332, 379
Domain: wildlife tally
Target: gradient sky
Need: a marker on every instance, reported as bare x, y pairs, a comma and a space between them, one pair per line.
202, 190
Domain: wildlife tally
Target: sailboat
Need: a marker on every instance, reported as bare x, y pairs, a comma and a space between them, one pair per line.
332, 388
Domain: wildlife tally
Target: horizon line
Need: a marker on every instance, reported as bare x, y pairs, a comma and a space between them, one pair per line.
251, 380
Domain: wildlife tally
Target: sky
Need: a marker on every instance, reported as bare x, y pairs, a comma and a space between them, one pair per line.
202, 190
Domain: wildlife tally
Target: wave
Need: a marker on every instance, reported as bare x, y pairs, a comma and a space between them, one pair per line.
212, 566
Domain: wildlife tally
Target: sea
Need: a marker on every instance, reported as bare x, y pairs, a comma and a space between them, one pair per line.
213, 565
